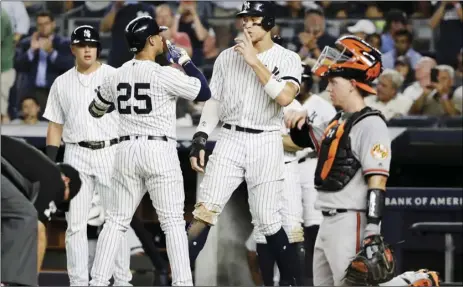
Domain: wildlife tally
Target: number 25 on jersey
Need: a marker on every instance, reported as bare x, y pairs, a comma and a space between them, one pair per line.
125, 91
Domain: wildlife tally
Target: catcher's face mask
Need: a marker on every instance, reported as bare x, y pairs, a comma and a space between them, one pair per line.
353, 59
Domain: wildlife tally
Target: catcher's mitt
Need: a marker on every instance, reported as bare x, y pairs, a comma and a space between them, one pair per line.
374, 264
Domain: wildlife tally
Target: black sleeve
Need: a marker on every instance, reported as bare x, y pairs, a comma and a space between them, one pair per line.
35, 166
301, 137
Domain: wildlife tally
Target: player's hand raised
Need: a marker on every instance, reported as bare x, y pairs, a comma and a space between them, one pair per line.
246, 49
295, 118
176, 55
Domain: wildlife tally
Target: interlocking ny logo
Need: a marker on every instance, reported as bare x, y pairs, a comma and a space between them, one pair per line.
87, 33
312, 117
247, 5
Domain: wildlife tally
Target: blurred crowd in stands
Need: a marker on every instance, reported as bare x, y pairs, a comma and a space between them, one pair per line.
418, 79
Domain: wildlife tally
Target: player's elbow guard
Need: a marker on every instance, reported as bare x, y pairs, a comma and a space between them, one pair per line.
96, 111
301, 137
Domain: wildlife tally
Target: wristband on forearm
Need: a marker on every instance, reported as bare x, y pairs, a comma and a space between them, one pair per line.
52, 152
375, 205
274, 87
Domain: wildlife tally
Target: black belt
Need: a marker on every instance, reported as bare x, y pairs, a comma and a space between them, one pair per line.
241, 129
152, 138
333, 212
98, 145
312, 154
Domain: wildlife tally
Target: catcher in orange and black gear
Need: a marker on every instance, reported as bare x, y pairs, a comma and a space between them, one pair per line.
354, 154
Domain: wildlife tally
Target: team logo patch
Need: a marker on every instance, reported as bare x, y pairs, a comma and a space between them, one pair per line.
247, 5
87, 33
379, 151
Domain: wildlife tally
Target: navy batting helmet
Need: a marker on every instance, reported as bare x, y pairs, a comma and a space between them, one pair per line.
86, 34
265, 9
139, 30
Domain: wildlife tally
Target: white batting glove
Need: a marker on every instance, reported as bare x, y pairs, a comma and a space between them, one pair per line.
177, 55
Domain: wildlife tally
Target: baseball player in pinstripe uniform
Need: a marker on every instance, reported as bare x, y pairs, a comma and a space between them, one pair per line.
144, 94
90, 148
291, 208
251, 82
318, 111
299, 192
351, 174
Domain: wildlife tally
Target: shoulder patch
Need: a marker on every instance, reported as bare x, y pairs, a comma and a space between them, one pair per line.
379, 151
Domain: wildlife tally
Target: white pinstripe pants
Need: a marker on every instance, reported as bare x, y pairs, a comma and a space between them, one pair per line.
312, 216
143, 165
238, 156
291, 206
95, 168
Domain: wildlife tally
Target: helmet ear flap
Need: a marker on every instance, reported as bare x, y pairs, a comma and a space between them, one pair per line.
268, 23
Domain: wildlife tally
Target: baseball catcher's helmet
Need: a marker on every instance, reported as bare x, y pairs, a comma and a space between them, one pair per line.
86, 34
138, 31
352, 59
265, 9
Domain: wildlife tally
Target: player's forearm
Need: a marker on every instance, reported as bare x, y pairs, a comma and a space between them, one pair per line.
375, 203
54, 134
289, 145
377, 181
191, 70
209, 116
281, 91
41, 244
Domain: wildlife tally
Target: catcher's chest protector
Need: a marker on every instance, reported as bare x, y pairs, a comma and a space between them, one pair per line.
336, 164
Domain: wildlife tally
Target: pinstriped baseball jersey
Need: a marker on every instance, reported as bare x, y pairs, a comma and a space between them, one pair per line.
319, 112
243, 99
144, 93
295, 105
68, 101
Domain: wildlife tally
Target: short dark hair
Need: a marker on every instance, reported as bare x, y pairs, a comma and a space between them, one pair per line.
395, 15
34, 99
406, 33
45, 13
